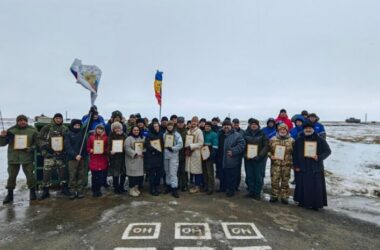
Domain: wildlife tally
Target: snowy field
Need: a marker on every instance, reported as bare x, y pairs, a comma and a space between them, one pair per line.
352, 171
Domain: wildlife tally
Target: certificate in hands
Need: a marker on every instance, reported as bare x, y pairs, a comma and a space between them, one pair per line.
252, 151
20, 142
169, 141
156, 144
205, 152
98, 147
189, 140
57, 143
279, 152
139, 148
310, 149
117, 146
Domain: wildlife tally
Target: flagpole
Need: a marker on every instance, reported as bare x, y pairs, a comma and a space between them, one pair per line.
161, 101
2, 122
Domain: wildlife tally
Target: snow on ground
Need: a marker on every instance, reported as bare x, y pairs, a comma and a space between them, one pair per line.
352, 171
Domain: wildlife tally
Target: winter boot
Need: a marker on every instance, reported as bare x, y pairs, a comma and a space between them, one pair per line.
32, 194
80, 195
9, 197
115, 181
175, 193
122, 183
45, 193
137, 190
273, 199
65, 189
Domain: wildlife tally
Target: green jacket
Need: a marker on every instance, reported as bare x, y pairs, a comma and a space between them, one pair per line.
20, 156
211, 139
45, 135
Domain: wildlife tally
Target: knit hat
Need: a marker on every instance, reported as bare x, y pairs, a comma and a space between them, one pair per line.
21, 117
304, 112
227, 122
100, 126
140, 120
195, 119
308, 124
115, 125
75, 121
283, 111
271, 120
164, 118
236, 120
181, 119
203, 120
117, 113
58, 115
282, 125
254, 121
173, 117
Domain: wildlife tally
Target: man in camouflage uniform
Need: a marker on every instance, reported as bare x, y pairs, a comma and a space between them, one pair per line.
53, 159
20, 156
280, 168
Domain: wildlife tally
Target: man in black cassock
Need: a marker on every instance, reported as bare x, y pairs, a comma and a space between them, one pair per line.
310, 189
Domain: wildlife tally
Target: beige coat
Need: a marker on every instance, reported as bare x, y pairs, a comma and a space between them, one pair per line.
194, 162
135, 166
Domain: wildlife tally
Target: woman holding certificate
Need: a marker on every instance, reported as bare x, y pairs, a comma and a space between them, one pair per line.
310, 150
280, 152
134, 160
255, 158
97, 147
154, 157
173, 144
117, 158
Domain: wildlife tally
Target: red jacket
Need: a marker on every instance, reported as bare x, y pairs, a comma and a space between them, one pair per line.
97, 162
285, 120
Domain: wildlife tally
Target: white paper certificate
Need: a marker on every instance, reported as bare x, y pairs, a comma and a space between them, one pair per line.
98, 147
156, 144
189, 140
279, 152
169, 141
21, 142
57, 143
117, 146
205, 152
310, 149
139, 148
252, 151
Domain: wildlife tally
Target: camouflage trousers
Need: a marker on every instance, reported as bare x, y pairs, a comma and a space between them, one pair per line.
51, 164
280, 175
78, 175
13, 170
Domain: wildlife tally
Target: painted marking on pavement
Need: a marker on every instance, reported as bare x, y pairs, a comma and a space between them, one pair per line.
192, 231
241, 231
139, 231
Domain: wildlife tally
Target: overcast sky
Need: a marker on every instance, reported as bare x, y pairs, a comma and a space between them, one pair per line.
245, 58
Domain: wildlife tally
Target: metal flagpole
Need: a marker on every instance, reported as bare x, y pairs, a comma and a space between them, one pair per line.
1, 118
161, 101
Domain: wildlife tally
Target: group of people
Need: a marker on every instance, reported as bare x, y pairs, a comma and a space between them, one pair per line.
186, 156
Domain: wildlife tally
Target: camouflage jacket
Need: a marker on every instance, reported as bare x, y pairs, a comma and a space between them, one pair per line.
288, 142
45, 136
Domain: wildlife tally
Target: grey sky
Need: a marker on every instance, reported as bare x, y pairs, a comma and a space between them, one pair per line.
247, 58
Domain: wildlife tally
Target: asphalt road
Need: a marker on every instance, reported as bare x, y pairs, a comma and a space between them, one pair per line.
194, 220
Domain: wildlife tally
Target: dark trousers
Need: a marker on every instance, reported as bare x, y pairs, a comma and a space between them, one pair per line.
208, 175
254, 172
155, 175
135, 181
183, 177
77, 175
230, 176
97, 180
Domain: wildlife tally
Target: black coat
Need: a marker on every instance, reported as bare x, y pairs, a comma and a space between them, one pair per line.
152, 157
73, 142
258, 138
310, 188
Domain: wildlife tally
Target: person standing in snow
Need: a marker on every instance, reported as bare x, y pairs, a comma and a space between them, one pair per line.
283, 118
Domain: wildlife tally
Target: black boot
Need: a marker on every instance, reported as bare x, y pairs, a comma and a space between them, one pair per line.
9, 197
167, 189
32, 194
122, 183
175, 193
45, 193
65, 189
115, 181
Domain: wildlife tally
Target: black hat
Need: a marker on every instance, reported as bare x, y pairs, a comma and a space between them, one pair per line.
283, 111
253, 121
308, 124
208, 123
140, 120
21, 117
117, 113
236, 120
215, 119
202, 120
173, 117
227, 122
138, 116
132, 116
271, 120
58, 115
75, 121
304, 112
164, 118
154, 120
181, 119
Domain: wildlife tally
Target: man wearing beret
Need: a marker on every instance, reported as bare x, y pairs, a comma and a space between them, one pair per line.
21, 140
50, 142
